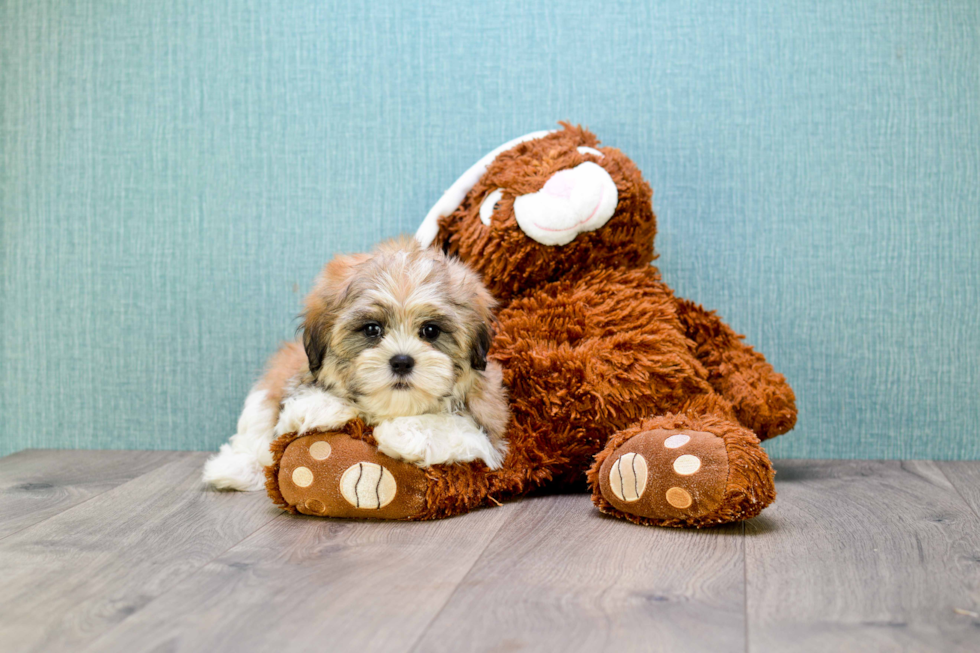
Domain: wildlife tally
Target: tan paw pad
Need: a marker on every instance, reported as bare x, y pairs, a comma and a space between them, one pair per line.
628, 477
320, 450
675, 441
368, 486
687, 465
302, 477
315, 506
679, 498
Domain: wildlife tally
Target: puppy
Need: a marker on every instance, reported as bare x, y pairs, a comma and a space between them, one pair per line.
397, 338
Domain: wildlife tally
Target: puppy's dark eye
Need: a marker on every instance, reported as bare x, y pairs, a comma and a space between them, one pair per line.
429, 332
372, 330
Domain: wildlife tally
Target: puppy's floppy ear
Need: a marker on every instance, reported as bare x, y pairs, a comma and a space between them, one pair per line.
470, 292
323, 303
481, 345
315, 344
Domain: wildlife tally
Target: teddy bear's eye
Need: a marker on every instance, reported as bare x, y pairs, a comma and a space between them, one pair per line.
489, 204
590, 150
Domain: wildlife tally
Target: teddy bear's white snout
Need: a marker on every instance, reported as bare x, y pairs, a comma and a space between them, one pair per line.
571, 202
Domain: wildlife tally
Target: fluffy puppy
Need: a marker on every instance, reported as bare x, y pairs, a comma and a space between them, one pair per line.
397, 338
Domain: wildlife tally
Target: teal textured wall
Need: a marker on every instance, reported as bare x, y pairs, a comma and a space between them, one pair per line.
173, 175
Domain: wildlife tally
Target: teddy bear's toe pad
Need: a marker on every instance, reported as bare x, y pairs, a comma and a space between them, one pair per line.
333, 475
368, 485
666, 474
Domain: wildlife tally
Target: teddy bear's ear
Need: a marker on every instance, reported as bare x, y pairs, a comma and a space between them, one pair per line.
456, 193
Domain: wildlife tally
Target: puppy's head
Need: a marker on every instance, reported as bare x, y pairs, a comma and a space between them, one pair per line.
399, 331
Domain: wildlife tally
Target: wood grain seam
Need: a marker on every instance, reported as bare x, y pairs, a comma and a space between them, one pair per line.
422, 633
94, 645
163, 463
956, 488
745, 585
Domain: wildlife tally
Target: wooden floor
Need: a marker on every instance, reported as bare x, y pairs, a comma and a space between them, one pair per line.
125, 551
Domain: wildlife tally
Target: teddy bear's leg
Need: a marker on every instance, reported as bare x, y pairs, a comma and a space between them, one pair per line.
762, 400
691, 469
342, 474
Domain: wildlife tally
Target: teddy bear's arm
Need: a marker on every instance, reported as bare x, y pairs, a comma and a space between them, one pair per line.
762, 399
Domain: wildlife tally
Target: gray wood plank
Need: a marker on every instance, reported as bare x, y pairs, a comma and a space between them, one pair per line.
36, 484
965, 477
863, 556
65, 581
563, 577
312, 584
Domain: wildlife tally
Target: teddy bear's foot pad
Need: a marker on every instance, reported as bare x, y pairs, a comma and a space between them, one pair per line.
333, 475
666, 474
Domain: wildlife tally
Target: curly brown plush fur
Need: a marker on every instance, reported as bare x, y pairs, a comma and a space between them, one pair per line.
595, 346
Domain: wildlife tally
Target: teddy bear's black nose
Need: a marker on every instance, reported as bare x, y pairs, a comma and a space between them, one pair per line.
401, 364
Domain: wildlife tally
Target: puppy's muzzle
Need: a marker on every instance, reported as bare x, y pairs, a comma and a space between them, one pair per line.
401, 364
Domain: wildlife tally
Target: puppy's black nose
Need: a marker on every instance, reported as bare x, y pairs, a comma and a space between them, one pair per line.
401, 364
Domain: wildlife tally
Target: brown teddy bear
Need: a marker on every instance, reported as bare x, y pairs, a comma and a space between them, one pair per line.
614, 381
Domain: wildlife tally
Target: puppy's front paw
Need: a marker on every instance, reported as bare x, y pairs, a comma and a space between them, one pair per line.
427, 440
312, 409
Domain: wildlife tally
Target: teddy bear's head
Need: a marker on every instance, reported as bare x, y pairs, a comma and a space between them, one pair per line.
543, 207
